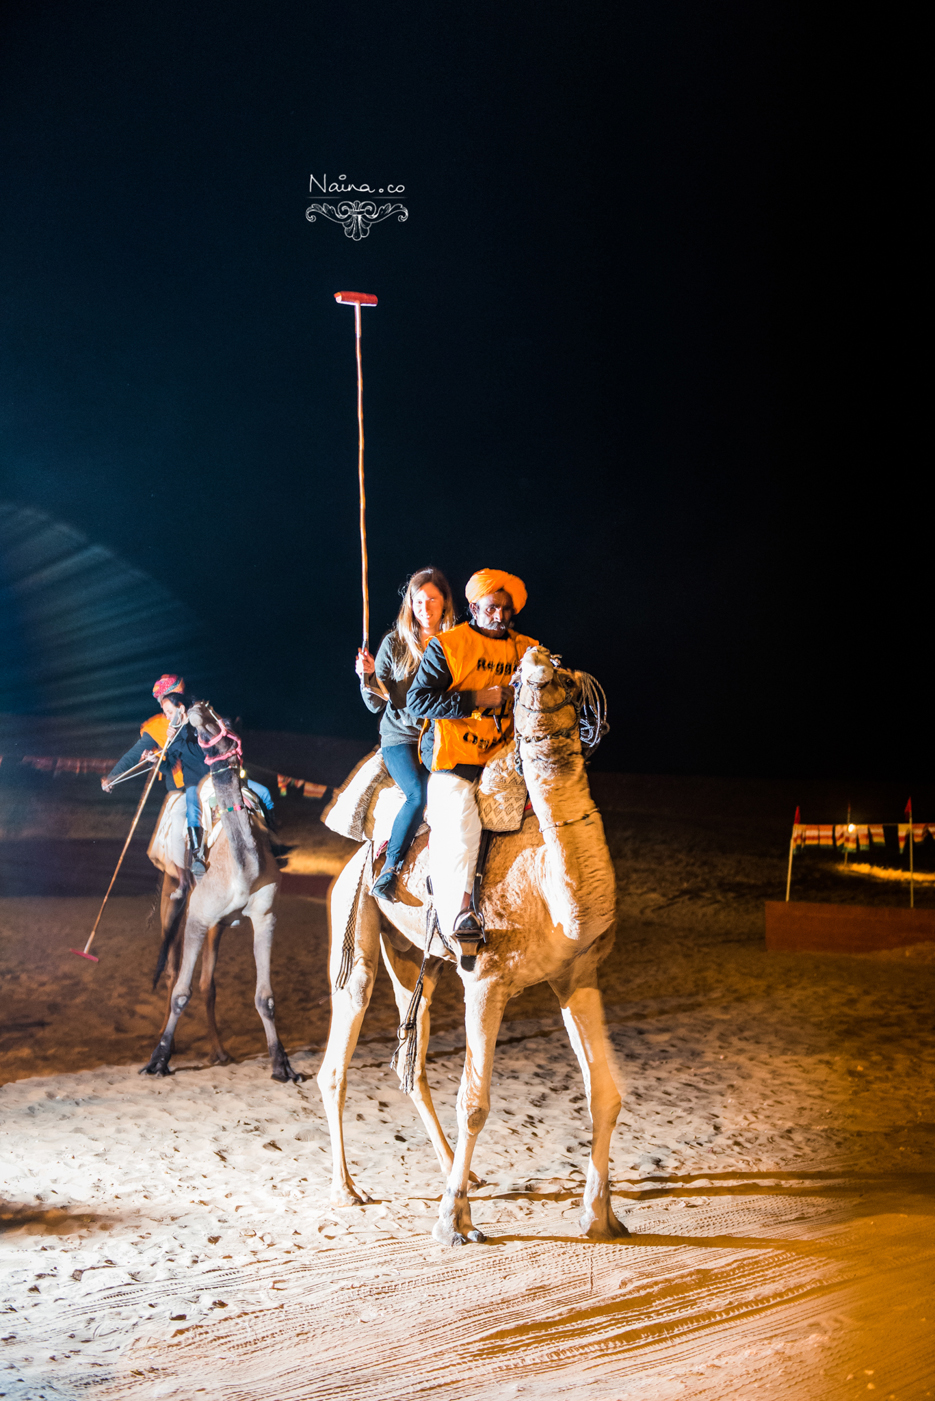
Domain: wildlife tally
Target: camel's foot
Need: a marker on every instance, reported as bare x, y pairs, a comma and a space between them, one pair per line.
454, 1225
158, 1064
282, 1070
220, 1057
598, 1221
445, 1236
346, 1194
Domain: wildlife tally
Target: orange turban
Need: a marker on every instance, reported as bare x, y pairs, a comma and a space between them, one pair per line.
487, 581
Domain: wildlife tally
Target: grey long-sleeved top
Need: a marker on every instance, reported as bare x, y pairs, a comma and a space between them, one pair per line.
397, 726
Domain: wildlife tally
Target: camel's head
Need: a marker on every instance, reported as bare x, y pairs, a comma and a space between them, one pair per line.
563, 708
213, 734
199, 715
537, 667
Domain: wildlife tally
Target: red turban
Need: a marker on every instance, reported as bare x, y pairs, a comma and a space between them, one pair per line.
487, 581
166, 685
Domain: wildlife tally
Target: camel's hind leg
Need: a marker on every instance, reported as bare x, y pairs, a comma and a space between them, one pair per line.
403, 968
348, 1005
209, 960
583, 1014
483, 1013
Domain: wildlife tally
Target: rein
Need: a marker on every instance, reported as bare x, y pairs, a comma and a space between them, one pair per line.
225, 733
235, 751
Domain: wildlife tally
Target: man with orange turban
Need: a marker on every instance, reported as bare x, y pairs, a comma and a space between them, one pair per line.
463, 688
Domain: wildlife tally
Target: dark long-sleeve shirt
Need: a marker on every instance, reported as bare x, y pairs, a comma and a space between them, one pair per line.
397, 726
184, 758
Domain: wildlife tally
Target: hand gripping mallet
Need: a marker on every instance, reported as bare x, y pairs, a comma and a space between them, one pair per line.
83, 953
357, 300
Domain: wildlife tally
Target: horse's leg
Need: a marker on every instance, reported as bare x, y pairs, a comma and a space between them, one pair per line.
195, 930
583, 1014
348, 1005
264, 925
403, 968
209, 960
484, 1003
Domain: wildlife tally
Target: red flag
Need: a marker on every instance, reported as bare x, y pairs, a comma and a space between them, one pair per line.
908, 809
797, 819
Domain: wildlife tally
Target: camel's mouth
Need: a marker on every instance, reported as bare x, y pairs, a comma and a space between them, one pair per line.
197, 715
536, 667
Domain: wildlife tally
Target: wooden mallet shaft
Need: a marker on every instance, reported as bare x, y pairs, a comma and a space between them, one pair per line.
357, 300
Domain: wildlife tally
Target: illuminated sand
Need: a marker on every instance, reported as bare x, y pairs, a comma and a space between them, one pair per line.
773, 1161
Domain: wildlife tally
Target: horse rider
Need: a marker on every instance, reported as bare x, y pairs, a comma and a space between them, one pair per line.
184, 758
463, 687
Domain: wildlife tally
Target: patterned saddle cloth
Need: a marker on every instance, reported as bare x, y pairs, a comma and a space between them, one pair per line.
366, 803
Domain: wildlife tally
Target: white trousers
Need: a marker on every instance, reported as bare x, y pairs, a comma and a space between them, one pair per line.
451, 812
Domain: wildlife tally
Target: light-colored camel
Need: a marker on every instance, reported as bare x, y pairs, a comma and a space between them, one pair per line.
241, 882
547, 901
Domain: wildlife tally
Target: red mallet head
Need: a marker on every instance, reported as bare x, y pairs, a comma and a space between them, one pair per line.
83, 954
361, 298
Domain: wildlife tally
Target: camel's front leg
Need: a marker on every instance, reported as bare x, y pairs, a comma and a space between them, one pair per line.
209, 960
264, 923
348, 1005
483, 1013
195, 931
583, 1014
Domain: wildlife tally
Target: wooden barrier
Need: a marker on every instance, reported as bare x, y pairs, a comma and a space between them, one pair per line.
804, 926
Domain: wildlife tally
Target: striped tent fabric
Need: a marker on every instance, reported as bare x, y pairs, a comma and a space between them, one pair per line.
876, 834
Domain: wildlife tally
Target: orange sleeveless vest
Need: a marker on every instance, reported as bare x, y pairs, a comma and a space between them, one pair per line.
476, 662
156, 728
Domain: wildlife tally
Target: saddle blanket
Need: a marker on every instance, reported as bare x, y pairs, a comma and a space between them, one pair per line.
364, 807
169, 842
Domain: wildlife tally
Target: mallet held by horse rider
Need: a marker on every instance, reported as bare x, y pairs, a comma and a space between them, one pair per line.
83, 953
357, 300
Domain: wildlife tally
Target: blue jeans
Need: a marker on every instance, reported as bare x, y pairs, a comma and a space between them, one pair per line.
409, 774
192, 805
262, 792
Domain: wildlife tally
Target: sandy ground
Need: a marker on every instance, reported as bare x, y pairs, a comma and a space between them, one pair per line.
773, 1161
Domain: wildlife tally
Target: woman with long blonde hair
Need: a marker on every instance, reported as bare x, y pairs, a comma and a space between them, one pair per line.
426, 610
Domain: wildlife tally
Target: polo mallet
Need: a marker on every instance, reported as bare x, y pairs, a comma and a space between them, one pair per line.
357, 300
83, 953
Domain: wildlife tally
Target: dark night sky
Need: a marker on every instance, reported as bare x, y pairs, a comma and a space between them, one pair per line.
645, 340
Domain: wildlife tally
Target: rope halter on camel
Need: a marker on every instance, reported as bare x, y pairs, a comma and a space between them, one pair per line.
583, 692
235, 751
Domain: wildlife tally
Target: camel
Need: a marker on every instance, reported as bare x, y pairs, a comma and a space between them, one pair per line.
548, 904
241, 882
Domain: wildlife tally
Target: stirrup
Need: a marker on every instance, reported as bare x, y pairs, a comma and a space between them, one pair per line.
471, 935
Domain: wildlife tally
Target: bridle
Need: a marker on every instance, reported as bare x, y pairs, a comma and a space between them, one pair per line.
588, 699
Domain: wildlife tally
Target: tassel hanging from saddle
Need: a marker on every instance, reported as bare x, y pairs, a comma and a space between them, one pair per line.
347, 944
407, 1033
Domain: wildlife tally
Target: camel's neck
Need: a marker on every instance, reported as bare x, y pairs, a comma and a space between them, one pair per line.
236, 823
579, 882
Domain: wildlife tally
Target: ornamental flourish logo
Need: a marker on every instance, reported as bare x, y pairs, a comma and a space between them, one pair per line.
356, 216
